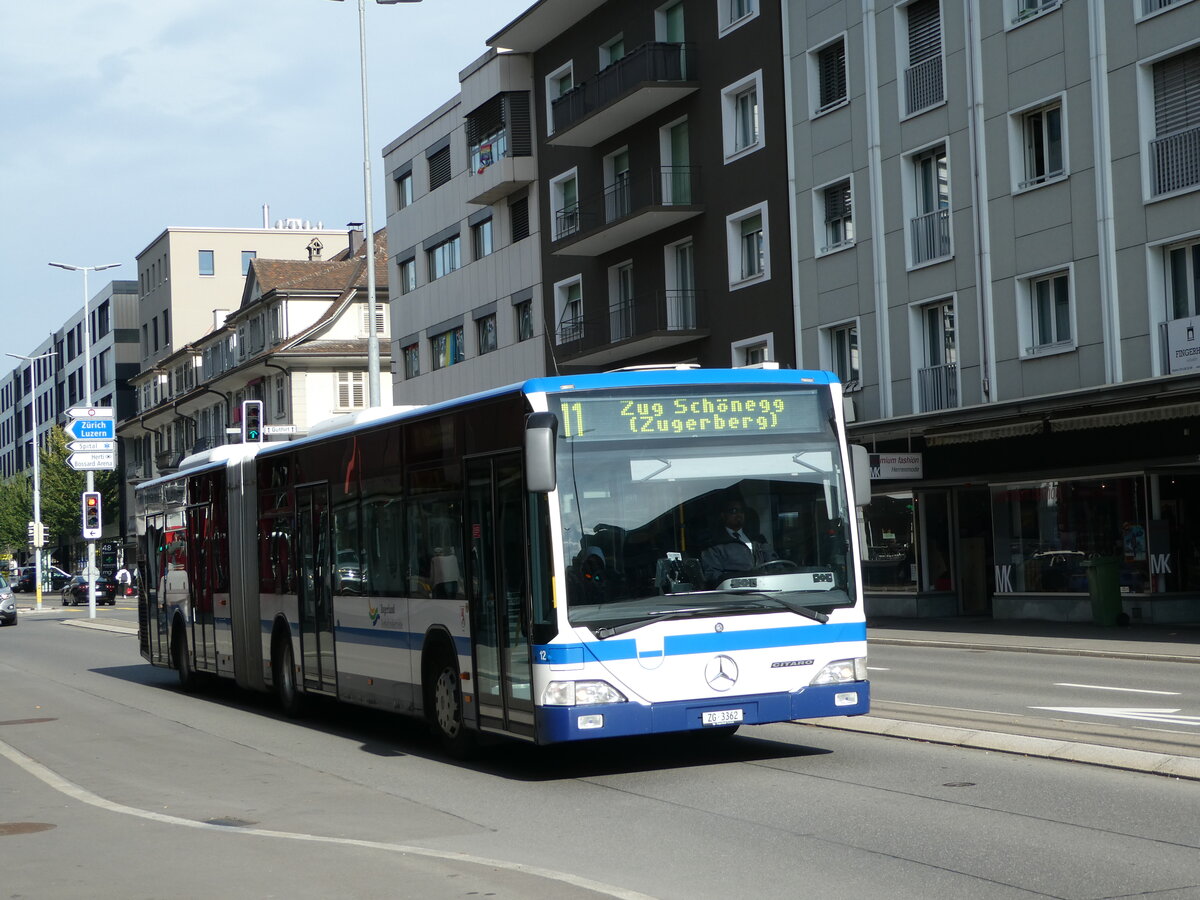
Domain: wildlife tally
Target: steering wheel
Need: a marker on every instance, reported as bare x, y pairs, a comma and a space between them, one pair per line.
778, 567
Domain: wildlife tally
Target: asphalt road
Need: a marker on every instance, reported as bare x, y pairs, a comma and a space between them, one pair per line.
114, 784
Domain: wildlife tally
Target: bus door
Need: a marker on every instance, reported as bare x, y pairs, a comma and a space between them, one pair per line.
200, 528
313, 587
499, 585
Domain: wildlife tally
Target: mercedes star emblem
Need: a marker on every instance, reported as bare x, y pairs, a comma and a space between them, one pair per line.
721, 673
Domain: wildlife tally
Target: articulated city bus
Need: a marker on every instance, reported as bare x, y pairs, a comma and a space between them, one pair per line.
568, 558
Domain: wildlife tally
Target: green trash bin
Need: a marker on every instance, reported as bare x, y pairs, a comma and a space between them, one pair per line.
1104, 589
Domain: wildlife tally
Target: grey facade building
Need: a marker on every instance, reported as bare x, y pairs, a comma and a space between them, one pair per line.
998, 239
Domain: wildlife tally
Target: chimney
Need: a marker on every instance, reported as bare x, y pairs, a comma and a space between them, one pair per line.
356, 237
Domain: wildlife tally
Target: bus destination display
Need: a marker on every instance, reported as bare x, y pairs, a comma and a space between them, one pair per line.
599, 418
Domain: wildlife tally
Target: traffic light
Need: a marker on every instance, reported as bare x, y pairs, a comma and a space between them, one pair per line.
252, 416
91, 515
37, 538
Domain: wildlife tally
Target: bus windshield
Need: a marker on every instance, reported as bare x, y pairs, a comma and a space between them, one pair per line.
701, 504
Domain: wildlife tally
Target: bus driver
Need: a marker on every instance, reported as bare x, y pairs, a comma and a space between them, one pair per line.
734, 551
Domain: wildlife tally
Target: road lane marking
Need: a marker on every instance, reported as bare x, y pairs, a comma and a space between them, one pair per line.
62, 785
1100, 687
1165, 716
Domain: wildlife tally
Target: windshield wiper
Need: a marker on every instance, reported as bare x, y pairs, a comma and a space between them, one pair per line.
613, 630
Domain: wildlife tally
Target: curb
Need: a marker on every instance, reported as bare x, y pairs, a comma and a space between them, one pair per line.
1069, 751
1026, 648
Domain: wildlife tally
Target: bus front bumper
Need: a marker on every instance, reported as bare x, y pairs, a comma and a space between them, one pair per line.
575, 723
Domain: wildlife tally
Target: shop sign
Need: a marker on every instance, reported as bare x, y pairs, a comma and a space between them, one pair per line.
896, 466
1183, 344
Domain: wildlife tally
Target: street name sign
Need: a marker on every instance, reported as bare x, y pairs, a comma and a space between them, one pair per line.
91, 430
279, 429
82, 462
91, 446
90, 412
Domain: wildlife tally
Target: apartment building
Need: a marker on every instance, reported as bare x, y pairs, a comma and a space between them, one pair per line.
661, 149
463, 224
998, 233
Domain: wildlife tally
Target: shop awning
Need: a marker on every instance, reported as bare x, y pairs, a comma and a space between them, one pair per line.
989, 433
1126, 417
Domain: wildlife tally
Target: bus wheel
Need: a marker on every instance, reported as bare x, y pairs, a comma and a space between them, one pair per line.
183, 662
284, 669
448, 710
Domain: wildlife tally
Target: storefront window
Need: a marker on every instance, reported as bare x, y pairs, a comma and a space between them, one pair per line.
1046, 532
907, 545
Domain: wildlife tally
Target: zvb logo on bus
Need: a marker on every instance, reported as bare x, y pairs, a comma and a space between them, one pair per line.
703, 414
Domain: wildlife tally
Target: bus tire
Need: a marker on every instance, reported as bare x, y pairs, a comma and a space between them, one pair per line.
182, 660
283, 668
446, 707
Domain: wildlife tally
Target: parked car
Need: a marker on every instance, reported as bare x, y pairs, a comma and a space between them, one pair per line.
23, 580
8, 603
76, 591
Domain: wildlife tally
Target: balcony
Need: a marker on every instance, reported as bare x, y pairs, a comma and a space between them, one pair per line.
500, 148
930, 236
167, 461
1175, 161
627, 211
937, 387
647, 79
924, 85
634, 327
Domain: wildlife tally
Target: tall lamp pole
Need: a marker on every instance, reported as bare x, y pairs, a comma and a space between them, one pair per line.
38, 544
373, 390
87, 401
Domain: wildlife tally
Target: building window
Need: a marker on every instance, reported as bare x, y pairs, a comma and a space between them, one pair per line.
1183, 280
753, 351
835, 207
564, 200
439, 168
748, 246
485, 329
1042, 139
447, 348
247, 256
206, 262
380, 319
929, 225
923, 80
412, 360
524, 314
481, 239
404, 189
612, 51
558, 83
1049, 311
518, 211
568, 308
735, 13
1029, 9
444, 258
843, 354
407, 271
937, 372
351, 390
828, 72
620, 302
1175, 149
741, 119
280, 403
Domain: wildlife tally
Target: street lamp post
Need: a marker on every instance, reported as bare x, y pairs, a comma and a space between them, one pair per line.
37, 476
373, 389
87, 401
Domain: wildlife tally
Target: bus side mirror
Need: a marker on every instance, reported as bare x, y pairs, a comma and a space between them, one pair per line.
860, 461
541, 433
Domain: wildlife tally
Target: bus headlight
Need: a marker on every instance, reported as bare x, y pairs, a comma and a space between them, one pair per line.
843, 671
580, 693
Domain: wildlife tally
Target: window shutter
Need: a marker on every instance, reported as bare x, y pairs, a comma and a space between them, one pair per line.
519, 210
833, 73
1177, 93
924, 31
837, 202
439, 168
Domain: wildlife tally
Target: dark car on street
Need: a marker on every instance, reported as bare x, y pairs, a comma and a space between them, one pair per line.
23, 580
76, 591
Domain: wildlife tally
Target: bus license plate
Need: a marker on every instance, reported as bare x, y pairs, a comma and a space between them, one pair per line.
721, 717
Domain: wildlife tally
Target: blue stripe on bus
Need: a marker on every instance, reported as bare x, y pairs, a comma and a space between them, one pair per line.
379, 637
613, 650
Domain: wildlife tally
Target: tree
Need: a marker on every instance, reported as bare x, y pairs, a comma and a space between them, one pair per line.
16, 512
62, 492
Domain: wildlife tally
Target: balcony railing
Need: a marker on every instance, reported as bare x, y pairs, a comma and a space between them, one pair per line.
924, 85
656, 319
937, 387
1175, 161
671, 191
650, 63
930, 234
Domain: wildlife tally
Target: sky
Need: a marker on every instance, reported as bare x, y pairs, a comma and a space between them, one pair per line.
123, 117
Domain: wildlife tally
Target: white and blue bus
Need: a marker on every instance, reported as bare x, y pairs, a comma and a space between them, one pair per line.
551, 561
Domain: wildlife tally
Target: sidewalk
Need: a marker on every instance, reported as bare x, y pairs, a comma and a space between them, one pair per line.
1160, 643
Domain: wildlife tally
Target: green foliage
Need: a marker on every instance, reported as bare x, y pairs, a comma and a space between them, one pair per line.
62, 491
16, 511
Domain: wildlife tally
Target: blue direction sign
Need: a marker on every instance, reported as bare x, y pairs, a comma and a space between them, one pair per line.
91, 430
